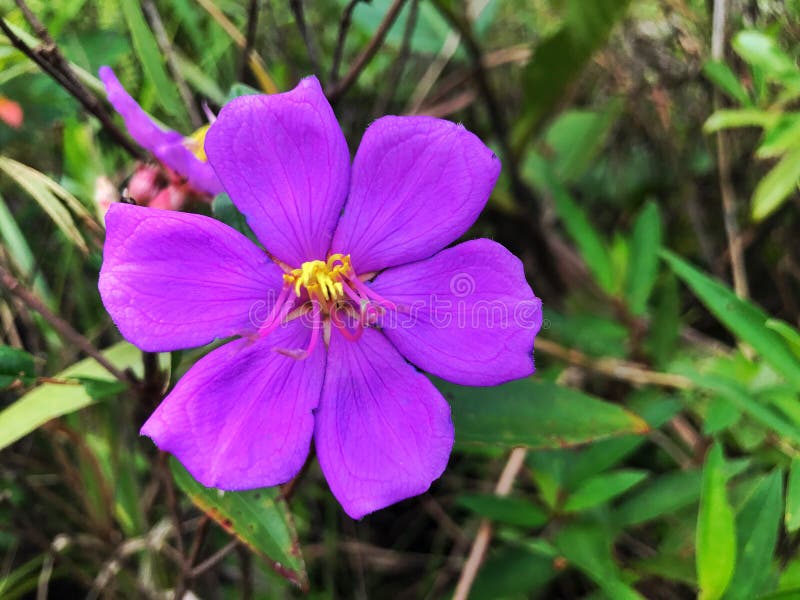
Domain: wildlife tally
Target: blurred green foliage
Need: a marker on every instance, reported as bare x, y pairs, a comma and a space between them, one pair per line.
662, 428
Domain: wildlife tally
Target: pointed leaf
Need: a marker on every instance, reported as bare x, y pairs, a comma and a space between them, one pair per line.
534, 414
259, 518
773, 190
745, 320
602, 488
52, 400
716, 530
511, 511
757, 527
15, 365
643, 267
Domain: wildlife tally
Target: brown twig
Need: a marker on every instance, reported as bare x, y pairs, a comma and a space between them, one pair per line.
214, 559
255, 61
197, 542
484, 536
253, 8
50, 60
61, 327
174, 511
399, 65
338, 52
296, 6
729, 202
162, 39
362, 60
620, 370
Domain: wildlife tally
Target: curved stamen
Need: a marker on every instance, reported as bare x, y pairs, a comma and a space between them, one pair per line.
277, 307
299, 354
277, 319
343, 329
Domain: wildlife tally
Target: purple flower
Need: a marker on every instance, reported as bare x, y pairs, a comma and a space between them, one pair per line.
354, 290
183, 155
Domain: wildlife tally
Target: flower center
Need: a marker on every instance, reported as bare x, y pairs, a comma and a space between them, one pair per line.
326, 294
323, 281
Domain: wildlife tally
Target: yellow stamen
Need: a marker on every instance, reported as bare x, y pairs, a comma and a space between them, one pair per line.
321, 280
196, 143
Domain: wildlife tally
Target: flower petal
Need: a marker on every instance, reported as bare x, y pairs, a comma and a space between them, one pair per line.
241, 417
467, 315
285, 164
383, 432
418, 184
168, 146
175, 280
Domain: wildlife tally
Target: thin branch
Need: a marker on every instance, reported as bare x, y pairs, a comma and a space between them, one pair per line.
61, 327
255, 61
399, 65
50, 60
480, 545
172, 505
214, 559
729, 202
172, 62
253, 8
338, 52
620, 370
296, 6
362, 60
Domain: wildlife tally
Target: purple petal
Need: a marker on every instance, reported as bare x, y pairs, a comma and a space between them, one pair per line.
418, 184
241, 418
174, 280
383, 432
285, 164
467, 315
168, 146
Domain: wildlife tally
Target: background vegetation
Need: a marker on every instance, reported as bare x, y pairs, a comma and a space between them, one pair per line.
651, 154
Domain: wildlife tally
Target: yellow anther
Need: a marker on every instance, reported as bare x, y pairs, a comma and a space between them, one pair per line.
196, 143
323, 281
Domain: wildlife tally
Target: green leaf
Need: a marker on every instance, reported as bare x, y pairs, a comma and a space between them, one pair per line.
511, 511
716, 530
149, 54
225, 211
52, 400
663, 495
20, 253
746, 321
559, 60
757, 526
734, 392
665, 326
792, 516
576, 137
721, 414
510, 573
42, 189
534, 414
15, 365
776, 186
259, 518
588, 547
602, 488
575, 220
787, 332
643, 269
762, 52
735, 118
721, 75
781, 137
